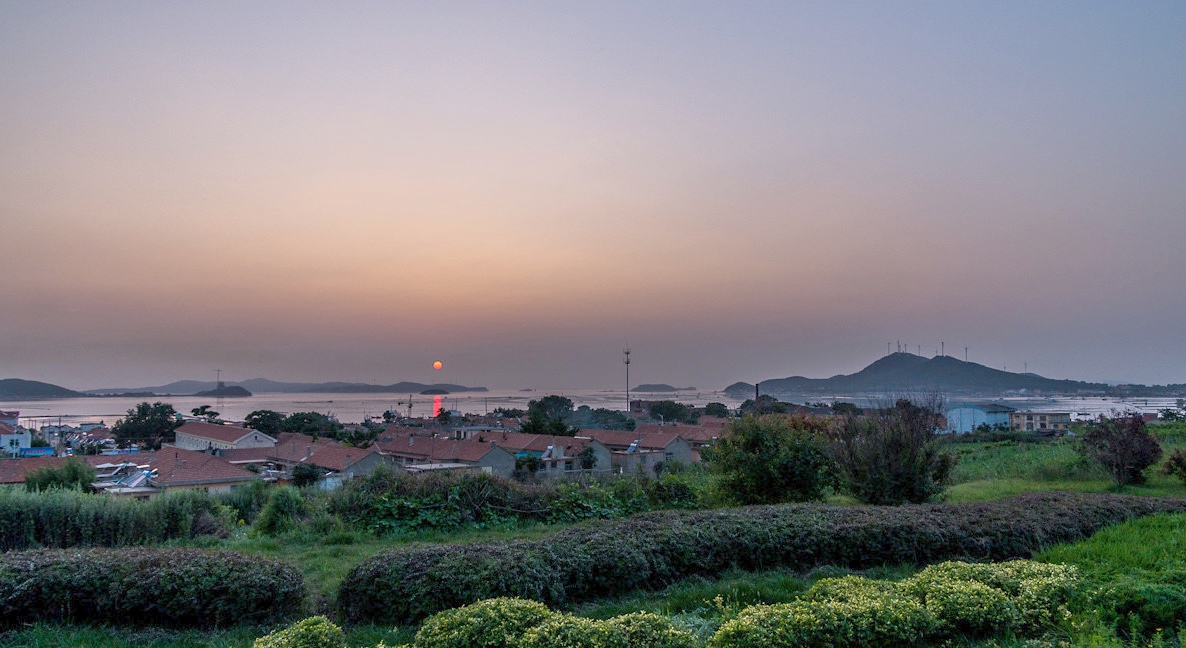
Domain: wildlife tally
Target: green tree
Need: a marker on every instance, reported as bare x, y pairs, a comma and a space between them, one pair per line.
206, 412
549, 415
311, 423
671, 412
269, 422
600, 419
305, 475
551, 406
147, 425
74, 474
588, 458
891, 455
717, 410
526, 467
844, 408
1123, 446
765, 404
763, 460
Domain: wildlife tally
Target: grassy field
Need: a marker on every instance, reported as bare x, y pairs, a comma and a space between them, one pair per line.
989, 471
986, 471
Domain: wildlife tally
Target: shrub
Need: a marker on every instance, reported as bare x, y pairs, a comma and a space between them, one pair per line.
247, 501
878, 619
284, 509
1039, 590
66, 518
1123, 447
646, 630
649, 551
670, 491
971, 608
492, 623
75, 473
763, 460
1175, 465
847, 589
408, 583
165, 587
1021, 596
314, 632
566, 631
1140, 606
891, 455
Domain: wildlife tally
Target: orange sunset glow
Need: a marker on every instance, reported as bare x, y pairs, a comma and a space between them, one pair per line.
738, 190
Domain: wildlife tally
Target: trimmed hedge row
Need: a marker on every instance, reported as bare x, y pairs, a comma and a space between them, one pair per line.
649, 551
160, 587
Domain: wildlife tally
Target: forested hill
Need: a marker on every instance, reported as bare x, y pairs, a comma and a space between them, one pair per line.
17, 389
902, 372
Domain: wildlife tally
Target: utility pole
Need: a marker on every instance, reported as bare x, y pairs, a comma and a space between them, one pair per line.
965, 354
626, 361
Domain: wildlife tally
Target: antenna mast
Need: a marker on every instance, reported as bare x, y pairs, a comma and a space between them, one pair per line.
626, 361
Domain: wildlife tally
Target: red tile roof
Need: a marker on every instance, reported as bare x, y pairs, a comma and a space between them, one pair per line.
289, 438
179, 467
299, 448
246, 455
697, 433
223, 433
437, 449
615, 439
13, 471
519, 442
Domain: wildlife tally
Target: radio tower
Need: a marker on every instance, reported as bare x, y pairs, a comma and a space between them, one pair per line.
626, 361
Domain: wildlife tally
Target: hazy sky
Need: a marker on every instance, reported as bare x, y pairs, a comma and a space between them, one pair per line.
736, 190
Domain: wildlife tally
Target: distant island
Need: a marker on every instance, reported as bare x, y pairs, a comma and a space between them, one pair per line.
16, 389
266, 386
661, 388
223, 391
906, 372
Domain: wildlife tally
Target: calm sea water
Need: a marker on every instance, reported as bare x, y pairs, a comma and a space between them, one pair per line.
348, 408
354, 408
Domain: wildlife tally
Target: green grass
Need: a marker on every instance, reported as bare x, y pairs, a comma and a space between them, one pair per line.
1135, 577
1008, 460
1154, 544
990, 471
